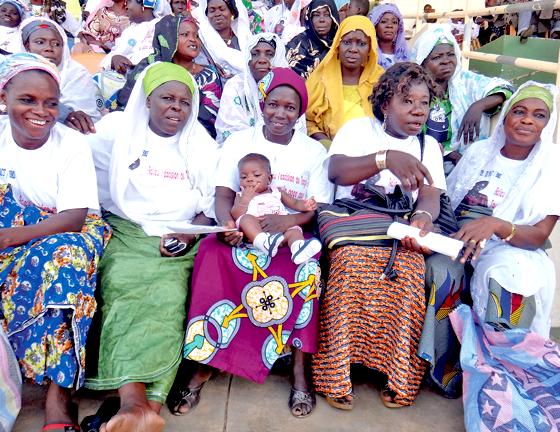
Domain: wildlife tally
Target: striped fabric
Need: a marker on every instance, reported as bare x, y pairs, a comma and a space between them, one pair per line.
10, 385
371, 322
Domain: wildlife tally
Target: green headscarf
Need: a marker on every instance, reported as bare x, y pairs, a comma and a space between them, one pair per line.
532, 92
163, 72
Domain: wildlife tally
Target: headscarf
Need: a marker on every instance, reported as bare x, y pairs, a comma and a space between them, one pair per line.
14, 64
324, 85
530, 92
341, 3
19, 6
279, 77
228, 58
307, 49
33, 26
230, 5
400, 48
162, 73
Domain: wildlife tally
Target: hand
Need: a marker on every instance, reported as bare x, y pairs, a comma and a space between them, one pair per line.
473, 233
188, 239
424, 223
248, 193
409, 170
80, 121
310, 204
470, 126
121, 64
454, 157
230, 238
8, 237
275, 223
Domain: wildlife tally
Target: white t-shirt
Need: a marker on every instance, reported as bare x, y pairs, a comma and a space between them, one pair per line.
57, 176
296, 167
494, 182
364, 136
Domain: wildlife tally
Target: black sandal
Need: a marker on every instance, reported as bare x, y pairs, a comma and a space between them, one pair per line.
299, 397
109, 408
189, 397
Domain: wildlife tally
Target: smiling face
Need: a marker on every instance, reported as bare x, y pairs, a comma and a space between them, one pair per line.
281, 111
46, 42
261, 60
219, 15
321, 21
254, 173
353, 50
407, 113
188, 44
9, 16
170, 106
32, 101
441, 62
387, 28
524, 123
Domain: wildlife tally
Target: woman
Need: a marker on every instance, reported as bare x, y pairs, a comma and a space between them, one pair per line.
50, 238
224, 31
307, 49
228, 284
340, 86
78, 106
463, 113
176, 40
366, 319
498, 191
154, 164
284, 19
389, 28
102, 28
11, 15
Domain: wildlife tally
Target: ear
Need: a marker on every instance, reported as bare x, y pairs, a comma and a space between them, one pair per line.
148, 102
3, 97
384, 107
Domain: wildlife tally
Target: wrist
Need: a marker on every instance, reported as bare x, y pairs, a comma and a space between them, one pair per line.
381, 160
417, 214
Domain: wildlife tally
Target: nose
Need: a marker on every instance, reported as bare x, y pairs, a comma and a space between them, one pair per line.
40, 109
418, 110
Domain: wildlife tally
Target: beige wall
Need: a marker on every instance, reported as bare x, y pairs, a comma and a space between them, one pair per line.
555, 255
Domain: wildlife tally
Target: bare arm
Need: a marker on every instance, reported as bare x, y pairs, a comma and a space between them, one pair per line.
298, 204
224, 200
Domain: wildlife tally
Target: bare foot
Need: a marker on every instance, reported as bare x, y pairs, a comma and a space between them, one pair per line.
134, 418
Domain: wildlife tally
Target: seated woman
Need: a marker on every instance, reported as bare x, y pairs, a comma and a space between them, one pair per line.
102, 28
176, 40
340, 86
367, 319
228, 284
78, 106
224, 31
462, 114
499, 192
135, 42
389, 29
11, 15
155, 165
306, 50
50, 238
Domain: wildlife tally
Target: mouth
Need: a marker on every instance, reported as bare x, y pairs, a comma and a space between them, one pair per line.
525, 132
415, 125
175, 120
37, 122
192, 47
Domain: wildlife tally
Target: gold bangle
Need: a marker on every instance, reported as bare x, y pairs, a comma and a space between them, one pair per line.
511, 234
381, 160
417, 212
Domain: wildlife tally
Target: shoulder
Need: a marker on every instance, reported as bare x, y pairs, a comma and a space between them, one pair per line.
68, 141
313, 147
360, 127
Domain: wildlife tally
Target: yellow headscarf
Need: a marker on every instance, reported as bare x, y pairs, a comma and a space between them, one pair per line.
325, 112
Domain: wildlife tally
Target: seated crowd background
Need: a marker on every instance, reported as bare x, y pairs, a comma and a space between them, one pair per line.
126, 124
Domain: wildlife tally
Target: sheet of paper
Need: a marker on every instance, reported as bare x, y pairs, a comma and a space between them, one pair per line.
186, 228
435, 242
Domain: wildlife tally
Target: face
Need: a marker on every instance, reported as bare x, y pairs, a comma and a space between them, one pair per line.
428, 8
441, 62
188, 43
219, 15
387, 28
134, 11
46, 42
289, 3
321, 21
170, 106
32, 101
406, 114
354, 50
254, 174
353, 9
9, 16
343, 12
525, 121
178, 6
261, 60
281, 111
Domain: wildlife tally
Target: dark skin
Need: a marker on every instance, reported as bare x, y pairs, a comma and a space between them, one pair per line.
31, 98
321, 21
261, 60
220, 18
188, 47
9, 16
119, 8
386, 31
179, 7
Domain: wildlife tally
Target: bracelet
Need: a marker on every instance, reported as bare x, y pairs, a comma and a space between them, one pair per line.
511, 234
417, 212
381, 160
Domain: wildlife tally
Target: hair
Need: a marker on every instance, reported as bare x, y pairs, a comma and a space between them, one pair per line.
397, 80
363, 5
188, 18
255, 157
230, 5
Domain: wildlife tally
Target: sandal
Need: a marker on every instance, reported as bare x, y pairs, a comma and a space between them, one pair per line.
388, 398
61, 427
299, 397
189, 397
106, 411
342, 403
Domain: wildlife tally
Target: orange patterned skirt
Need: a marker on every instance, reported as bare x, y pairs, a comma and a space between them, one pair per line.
371, 322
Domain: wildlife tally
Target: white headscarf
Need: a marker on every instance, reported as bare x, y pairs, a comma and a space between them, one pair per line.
228, 58
77, 89
524, 204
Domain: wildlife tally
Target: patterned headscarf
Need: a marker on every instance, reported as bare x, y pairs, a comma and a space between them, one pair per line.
399, 44
16, 63
279, 77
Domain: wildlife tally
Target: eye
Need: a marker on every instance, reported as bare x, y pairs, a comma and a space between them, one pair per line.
186, 102
272, 104
363, 44
291, 108
26, 100
53, 104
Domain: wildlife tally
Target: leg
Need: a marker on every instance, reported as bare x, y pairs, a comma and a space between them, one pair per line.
57, 405
250, 226
302, 398
506, 310
265, 242
302, 250
185, 398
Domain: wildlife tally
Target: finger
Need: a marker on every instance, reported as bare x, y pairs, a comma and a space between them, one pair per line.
469, 249
477, 129
83, 125
405, 183
476, 253
89, 121
461, 131
426, 173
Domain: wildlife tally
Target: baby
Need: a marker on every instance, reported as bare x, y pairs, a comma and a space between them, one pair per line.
259, 198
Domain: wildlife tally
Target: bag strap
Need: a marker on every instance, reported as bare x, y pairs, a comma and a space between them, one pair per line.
361, 205
421, 138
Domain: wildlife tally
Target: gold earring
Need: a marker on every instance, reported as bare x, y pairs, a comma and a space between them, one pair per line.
3, 108
384, 124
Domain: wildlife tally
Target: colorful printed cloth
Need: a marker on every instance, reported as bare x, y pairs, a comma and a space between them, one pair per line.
255, 20
511, 378
247, 308
10, 385
47, 290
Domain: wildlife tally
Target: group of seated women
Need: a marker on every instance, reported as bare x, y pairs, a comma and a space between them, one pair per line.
101, 216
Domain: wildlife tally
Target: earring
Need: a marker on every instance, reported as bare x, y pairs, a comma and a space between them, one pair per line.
384, 124
3, 108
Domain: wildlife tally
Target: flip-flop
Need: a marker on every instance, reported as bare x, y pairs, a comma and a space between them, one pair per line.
300, 397
388, 398
189, 397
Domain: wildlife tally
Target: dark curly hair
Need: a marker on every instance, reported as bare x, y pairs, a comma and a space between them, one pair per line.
397, 80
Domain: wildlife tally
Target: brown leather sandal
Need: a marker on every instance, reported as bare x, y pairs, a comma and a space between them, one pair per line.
299, 397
